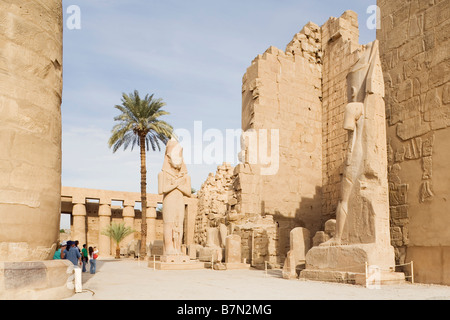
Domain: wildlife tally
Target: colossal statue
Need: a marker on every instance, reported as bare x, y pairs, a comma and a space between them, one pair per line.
362, 234
173, 183
364, 179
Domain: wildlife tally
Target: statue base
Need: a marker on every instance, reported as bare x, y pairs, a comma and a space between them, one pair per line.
175, 262
236, 266
36, 280
350, 263
382, 278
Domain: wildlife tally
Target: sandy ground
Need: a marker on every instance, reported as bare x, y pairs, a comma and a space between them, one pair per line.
134, 280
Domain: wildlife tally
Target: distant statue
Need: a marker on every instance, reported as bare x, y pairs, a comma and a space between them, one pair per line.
363, 181
173, 183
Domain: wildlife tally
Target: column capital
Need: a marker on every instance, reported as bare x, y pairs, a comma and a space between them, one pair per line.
151, 212
104, 210
128, 211
79, 209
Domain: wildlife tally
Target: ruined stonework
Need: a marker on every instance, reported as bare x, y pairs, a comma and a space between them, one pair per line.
281, 93
301, 93
220, 216
30, 128
213, 202
415, 46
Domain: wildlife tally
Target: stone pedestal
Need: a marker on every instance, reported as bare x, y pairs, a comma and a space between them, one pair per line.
175, 262
357, 278
36, 280
175, 259
347, 264
236, 265
352, 258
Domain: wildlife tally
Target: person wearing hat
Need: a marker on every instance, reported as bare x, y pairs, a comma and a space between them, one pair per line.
59, 254
66, 250
73, 253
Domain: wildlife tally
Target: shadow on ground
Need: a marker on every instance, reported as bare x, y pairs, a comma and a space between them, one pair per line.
86, 276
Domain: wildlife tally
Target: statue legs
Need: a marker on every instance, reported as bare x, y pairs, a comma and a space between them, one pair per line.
341, 213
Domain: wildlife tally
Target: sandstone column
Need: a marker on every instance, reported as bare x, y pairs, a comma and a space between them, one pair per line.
128, 219
79, 223
151, 224
104, 242
30, 128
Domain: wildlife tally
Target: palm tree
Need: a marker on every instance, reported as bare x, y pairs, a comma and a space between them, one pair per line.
139, 124
117, 232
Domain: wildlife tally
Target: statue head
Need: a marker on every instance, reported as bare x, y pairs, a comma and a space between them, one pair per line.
174, 154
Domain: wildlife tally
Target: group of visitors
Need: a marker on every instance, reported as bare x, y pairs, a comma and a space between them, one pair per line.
69, 250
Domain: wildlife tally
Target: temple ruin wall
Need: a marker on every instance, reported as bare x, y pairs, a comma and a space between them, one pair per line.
415, 46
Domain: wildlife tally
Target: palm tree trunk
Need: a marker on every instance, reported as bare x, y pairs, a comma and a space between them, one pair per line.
117, 251
143, 251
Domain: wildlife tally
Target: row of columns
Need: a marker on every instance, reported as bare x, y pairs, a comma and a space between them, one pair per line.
79, 231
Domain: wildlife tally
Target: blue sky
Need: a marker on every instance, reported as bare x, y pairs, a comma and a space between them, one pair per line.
192, 54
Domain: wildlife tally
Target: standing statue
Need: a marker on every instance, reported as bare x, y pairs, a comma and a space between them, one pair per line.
364, 180
362, 232
174, 184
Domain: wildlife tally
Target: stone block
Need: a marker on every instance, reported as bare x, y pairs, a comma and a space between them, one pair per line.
320, 237
300, 243
40, 280
233, 249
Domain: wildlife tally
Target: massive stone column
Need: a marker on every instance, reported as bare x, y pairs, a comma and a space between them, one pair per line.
104, 242
128, 219
30, 144
30, 128
151, 224
79, 223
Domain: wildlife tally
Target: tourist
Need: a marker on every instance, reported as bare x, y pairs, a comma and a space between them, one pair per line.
93, 254
66, 250
84, 257
59, 254
74, 254
76, 245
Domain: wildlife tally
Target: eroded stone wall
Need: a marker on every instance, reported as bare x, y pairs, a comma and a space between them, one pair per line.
301, 93
415, 46
213, 202
282, 91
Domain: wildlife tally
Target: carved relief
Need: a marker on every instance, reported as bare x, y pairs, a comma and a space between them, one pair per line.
426, 192
414, 149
